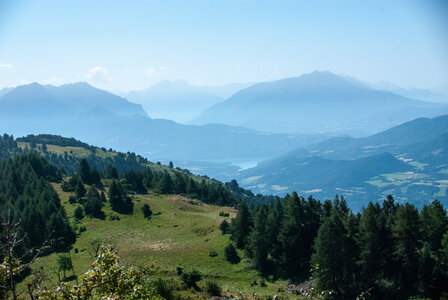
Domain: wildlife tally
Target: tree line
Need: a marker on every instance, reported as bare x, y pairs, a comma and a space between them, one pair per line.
387, 251
28, 198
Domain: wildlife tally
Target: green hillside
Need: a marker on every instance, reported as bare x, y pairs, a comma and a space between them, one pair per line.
183, 234
170, 233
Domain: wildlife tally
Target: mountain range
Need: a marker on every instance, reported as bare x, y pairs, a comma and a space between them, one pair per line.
409, 161
95, 116
35, 101
318, 102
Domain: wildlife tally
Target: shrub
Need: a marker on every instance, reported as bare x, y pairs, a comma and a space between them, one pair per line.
79, 213
179, 270
72, 199
212, 288
231, 254
113, 217
223, 214
191, 278
147, 212
224, 227
163, 288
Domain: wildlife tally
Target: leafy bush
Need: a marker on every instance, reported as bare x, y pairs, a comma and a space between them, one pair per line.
191, 278
223, 214
179, 270
72, 199
106, 279
212, 288
79, 213
163, 288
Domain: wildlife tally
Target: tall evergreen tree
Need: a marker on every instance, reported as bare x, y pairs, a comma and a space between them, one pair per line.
294, 258
84, 171
406, 232
259, 240
274, 225
373, 246
93, 204
332, 260
241, 225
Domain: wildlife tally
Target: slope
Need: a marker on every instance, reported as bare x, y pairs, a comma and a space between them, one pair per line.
183, 234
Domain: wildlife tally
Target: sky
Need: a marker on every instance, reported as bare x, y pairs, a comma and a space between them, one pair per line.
129, 45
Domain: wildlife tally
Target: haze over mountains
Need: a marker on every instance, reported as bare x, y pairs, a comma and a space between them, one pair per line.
407, 160
95, 116
39, 101
174, 100
179, 101
318, 102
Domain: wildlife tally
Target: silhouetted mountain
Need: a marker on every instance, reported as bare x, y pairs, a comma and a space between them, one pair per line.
317, 102
36, 101
98, 117
32, 101
174, 100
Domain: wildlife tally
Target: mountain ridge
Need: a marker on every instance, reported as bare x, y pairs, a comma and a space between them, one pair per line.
317, 102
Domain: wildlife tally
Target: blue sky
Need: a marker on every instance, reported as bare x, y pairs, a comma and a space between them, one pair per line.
125, 45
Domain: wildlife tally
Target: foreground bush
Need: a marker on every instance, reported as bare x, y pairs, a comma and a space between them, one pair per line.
106, 279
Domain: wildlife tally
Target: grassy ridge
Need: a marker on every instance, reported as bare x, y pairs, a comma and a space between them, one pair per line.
183, 234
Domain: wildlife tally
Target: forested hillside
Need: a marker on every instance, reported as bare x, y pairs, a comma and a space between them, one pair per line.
182, 229
408, 161
388, 251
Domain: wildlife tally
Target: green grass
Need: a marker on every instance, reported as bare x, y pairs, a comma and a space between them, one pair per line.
183, 234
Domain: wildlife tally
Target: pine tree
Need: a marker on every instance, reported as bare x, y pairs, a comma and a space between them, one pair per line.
434, 223
259, 240
84, 171
110, 172
332, 260
115, 197
274, 225
242, 225
224, 227
118, 198
294, 258
80, 190
93, 204
231, 254
166, 185
373, 245
406, 233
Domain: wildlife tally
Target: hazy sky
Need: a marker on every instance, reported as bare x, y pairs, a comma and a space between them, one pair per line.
123, 45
